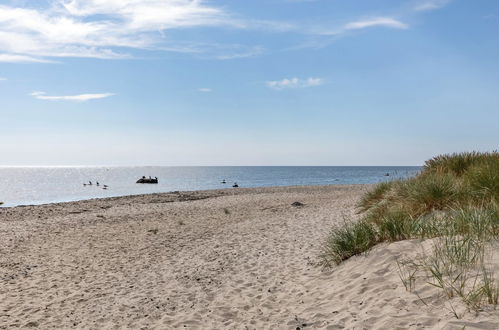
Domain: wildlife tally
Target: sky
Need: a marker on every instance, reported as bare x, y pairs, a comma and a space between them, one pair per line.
238, 82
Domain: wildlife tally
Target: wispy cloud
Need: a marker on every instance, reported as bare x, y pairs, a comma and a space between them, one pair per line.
205, 90
242, 53
14, 58
431, 5
377, 21
97, 28
3, 79
294, 83
77, 98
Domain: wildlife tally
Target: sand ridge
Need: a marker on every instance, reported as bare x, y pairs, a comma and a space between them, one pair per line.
222, 259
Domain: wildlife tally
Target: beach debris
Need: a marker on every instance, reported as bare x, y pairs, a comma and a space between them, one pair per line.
297, 204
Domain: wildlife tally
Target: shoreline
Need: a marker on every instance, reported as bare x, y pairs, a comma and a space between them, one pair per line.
240, 190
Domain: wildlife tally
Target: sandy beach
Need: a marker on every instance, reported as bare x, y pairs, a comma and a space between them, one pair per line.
221, 259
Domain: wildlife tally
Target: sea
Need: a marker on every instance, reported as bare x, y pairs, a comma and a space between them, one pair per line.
41, 185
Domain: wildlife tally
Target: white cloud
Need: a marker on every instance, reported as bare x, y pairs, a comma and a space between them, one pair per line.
431, 5
379, 21
3, 79
294, 83
97, 28
243, 53
78, 98
205, 90
14, 58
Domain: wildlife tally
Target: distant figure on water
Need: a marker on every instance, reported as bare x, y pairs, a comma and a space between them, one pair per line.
235, 185
223, 181
97, 183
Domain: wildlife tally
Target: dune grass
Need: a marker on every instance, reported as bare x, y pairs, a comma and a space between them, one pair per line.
455, 200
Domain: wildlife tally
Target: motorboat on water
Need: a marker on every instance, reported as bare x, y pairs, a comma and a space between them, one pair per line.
147, 180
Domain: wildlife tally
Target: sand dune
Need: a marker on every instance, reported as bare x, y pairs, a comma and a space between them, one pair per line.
232, 259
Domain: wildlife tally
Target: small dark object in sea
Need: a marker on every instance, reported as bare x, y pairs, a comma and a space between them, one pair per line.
146, 180
235, 185
387, 174
297, 204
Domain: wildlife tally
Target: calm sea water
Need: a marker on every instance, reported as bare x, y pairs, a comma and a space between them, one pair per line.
39, 185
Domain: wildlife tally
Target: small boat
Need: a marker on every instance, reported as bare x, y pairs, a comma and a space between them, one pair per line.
235, 185
223, 181
147, 180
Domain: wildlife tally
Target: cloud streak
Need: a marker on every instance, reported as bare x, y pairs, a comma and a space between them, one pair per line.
76, 98
293, 83
373, 22
14, 58
431, 5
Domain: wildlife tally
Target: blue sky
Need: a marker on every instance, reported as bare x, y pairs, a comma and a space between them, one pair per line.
264, 82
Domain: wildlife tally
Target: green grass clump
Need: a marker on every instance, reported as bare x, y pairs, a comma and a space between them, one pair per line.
345, 242
454, 199
373, 197
483, 180
459, 163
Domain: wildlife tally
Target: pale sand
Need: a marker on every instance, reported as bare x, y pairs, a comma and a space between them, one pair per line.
99, 265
